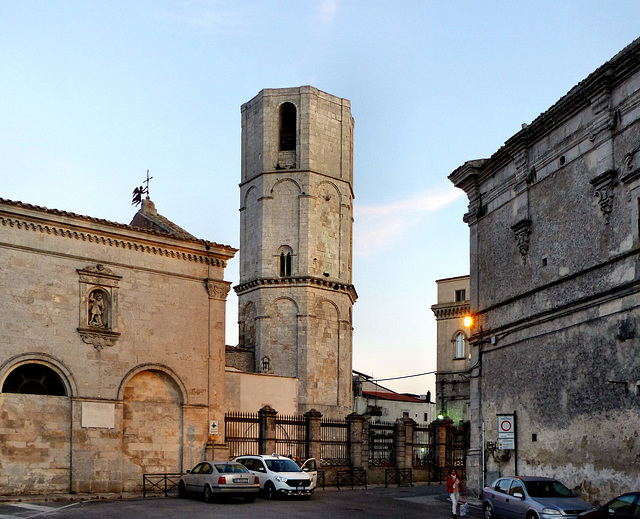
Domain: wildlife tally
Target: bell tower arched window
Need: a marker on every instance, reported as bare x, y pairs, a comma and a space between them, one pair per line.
285, 264
288, 117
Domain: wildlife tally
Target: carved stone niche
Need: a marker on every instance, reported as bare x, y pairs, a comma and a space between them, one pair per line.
522, 232
603, 188
98, 306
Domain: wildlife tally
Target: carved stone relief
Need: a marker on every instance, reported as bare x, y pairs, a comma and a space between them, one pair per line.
522, 231
217, 289
603, 188
98, 306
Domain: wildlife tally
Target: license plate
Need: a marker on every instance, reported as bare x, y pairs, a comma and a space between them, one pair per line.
241, 480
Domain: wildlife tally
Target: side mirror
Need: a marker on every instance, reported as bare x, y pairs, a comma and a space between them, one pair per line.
188, 472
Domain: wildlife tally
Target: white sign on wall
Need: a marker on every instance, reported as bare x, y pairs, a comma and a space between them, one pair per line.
98, 414
506, 431
213, 427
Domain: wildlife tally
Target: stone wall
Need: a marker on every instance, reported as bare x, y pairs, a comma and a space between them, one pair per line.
158, 325
555, 243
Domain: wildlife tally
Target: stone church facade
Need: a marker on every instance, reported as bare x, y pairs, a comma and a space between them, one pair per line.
555, 290
112, 337
112, 349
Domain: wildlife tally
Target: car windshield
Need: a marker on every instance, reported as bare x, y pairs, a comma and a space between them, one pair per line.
547, 489
282, 465
228, 468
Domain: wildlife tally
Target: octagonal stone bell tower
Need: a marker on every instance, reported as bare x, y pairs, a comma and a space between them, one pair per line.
295, 294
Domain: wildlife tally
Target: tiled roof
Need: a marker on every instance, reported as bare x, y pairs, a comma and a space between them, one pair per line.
384, 395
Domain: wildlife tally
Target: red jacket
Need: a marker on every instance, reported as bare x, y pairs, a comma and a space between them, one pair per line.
450, 484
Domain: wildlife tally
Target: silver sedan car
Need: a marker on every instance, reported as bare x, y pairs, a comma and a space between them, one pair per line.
529, 497
219, 478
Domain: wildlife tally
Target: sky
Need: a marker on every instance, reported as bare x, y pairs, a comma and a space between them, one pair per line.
95, 93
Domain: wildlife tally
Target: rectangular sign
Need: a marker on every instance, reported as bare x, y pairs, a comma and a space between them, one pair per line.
507, 444
213, 427
506, 431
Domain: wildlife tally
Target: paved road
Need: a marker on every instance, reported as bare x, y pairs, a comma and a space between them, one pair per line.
387, 503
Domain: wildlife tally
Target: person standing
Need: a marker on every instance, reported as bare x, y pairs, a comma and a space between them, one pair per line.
454, 487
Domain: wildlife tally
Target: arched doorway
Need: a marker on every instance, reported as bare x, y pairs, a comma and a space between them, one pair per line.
35, 429
152, 417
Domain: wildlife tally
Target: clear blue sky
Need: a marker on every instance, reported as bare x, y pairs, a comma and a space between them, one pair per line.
94, 93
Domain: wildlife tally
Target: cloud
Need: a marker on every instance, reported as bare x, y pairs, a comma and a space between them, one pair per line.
379, 227
327, 10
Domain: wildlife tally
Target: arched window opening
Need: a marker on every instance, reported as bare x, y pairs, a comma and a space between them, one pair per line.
285, 261
285, 264
34, 379
287, 127
460, 340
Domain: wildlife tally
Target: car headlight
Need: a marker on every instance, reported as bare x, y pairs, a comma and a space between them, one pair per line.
281, 479
551, 511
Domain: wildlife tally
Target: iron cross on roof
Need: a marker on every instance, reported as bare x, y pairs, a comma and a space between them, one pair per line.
142, 190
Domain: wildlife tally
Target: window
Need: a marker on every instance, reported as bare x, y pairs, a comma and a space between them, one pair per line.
34, 379
461, 295
516, 488
287, 127
502, 485
460, 340
285, 262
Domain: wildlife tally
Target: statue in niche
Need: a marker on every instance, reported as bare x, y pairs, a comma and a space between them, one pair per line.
97, 309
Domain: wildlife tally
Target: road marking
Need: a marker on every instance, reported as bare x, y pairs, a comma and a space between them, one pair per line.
28, 506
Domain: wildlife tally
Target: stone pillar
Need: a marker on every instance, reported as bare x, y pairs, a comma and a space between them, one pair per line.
440, 436
404, 443
314, 435
358, 441
267, 429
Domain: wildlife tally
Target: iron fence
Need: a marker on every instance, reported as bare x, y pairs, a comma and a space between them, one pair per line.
334, 447
382, 444
424, 446
291, 436
242, 433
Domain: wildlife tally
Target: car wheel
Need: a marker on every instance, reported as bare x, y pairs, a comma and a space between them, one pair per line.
488, 511
531, 515
182, 491
270, 490
250, 499
208, 495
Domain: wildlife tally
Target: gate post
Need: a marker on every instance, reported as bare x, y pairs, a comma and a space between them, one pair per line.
358, 441
404, 443
440, 437
314, 435
267, 429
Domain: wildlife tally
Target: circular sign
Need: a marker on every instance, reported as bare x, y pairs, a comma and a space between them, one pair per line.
506, 425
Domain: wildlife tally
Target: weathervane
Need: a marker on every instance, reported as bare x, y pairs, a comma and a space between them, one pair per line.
142, 190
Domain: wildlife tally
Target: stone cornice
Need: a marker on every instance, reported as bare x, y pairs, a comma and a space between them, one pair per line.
451, 310
163, 245
299, 281
590, 90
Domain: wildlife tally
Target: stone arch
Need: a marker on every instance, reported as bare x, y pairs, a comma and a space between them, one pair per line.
41, 423
250, 234
282, 347
152, 398
327, 229
247, 325
284, 214
326, 365
154, 367
46, 360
